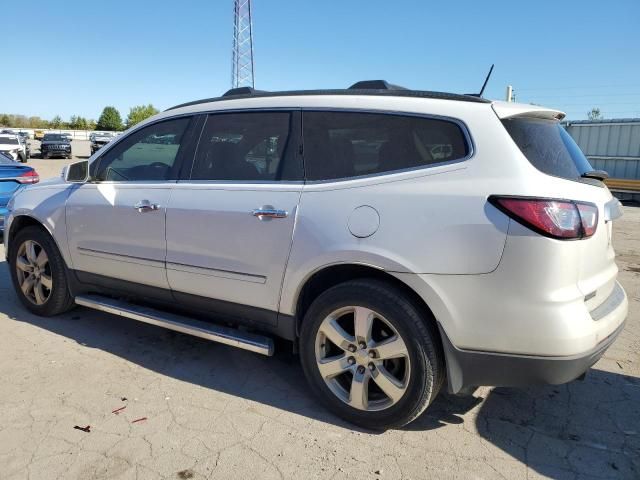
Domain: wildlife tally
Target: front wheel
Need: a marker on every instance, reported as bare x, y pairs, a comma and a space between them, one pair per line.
38, 273
370, 354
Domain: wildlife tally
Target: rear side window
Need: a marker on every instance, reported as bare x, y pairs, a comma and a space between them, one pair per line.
548, 147
351, 144
250, 146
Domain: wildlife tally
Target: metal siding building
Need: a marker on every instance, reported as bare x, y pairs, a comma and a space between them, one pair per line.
610, 145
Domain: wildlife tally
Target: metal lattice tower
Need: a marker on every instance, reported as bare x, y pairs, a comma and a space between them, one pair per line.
242, 68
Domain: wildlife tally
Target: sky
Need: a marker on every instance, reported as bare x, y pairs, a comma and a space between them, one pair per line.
75, 57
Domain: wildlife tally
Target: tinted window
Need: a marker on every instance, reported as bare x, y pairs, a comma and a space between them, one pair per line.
147, 154
548, 146
9, 140
252, 146
349, 144
54, 137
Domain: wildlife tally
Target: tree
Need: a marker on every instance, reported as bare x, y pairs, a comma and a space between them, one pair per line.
110, 119
78, 123
140, 113
56, 122
5, 120
594, 114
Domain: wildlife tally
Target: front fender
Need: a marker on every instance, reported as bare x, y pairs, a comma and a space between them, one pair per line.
46, 205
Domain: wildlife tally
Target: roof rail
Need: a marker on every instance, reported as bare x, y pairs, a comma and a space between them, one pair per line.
375, 85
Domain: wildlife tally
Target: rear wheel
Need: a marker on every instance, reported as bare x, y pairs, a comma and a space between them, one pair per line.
38, 273
369, 354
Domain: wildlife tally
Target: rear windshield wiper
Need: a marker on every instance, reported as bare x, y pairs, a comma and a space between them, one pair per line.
597, 174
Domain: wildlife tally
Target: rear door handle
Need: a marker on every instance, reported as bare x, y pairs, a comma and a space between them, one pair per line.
146, 206
268, 211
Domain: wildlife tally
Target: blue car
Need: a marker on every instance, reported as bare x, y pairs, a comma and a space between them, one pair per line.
12, 176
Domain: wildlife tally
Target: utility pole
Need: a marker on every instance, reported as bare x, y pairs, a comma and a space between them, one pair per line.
242, 54
509, 96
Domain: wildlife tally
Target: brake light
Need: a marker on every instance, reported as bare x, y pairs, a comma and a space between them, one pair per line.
560, 219
28, 177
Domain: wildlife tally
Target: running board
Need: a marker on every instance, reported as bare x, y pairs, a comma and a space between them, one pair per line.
215, 333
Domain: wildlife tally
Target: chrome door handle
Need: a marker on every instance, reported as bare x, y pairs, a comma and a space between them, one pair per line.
146, 206
269, 212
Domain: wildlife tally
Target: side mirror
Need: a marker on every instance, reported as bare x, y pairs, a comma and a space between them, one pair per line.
77, 172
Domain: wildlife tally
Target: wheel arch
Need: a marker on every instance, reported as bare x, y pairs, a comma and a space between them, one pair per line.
20, 222
331, 275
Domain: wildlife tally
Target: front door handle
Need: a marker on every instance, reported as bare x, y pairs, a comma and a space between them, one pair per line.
146, 206
268, 211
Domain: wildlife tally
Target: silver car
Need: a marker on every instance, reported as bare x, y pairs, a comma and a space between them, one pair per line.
400, 240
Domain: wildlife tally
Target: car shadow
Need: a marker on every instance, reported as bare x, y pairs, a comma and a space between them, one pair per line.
277, 381
587, 428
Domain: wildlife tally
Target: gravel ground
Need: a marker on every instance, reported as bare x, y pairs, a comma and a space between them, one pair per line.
210, 411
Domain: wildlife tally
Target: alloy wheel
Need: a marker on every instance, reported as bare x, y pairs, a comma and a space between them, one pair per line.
34, 272
362, 358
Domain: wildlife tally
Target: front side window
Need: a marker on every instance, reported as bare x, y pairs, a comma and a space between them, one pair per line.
351, 144
248, 146
148, 154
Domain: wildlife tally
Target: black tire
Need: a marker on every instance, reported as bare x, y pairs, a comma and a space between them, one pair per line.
44, 156
59, 300
419, 334
23, 158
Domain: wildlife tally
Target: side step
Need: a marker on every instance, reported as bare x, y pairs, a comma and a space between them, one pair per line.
215, 333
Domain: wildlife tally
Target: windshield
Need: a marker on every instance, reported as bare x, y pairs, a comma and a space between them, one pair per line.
54, 137
548, 147
9, 140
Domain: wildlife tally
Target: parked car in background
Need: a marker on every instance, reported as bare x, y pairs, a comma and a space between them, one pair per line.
12, 176
99, 140
12, 145
38, 134
23, 138
55, 145
402, 240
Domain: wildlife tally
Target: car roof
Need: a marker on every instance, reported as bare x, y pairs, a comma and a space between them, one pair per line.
365, 87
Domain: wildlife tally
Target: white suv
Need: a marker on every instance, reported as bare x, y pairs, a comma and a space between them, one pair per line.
398, 238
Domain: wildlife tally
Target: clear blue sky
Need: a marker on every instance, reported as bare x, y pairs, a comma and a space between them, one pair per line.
75, 57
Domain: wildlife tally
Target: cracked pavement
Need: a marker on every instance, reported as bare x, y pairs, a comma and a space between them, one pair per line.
216, 412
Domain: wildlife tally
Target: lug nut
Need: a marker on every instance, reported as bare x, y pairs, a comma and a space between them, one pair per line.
363, 345
372, 367
372, 354
360, 369
351, 348
351, 360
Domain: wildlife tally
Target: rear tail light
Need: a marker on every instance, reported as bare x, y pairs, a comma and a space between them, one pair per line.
28, 177
560, 219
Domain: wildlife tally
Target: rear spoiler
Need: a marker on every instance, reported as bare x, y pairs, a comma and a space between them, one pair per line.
509, 109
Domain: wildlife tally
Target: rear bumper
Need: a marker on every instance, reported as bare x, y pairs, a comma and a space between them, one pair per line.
471, 368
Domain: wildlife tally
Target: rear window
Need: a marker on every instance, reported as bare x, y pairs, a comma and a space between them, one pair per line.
9, 140
548, 147
351, 144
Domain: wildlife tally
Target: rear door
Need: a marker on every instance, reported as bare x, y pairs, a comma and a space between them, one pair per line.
550, 149
116, 223
230, 222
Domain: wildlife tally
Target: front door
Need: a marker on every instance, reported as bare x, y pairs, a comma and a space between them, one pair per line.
230, 225
116, 223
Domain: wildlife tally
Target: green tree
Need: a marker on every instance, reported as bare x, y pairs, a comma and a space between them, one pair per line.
78, 123
91, 124
594, 114
110, 119
56, 122
5, 120
140, 113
